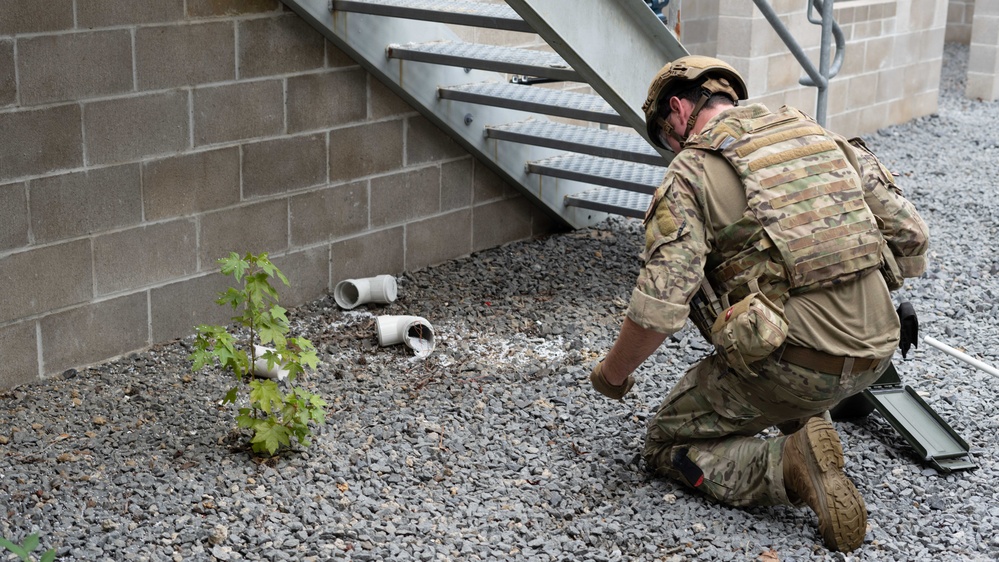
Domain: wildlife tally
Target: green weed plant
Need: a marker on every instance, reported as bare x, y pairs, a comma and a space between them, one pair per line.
24, 550
274, 416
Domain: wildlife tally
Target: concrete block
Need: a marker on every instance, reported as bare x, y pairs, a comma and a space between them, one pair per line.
329, 213
8, 81
308, 274
145, 255
326, 100
405, 196
94, 332
19, 349
178, 307
438, 239
457, 184
171, 56
983, 87
191, 183
985, 31
285, 164
46, 278
85, 202
278, 45
13, 216
216, 8
488, 186
878, 53
384, 102
336, 58
107, 13
238, 111
426, 143
75, 66
127, 129
261, 227
367, 149
23, 16
371, 254
497, 223
40, 141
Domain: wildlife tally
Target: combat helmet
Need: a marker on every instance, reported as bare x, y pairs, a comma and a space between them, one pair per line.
717, 77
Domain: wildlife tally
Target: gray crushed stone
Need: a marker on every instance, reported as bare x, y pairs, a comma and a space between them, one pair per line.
495, 447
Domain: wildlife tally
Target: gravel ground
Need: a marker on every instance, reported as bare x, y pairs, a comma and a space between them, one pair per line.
495, 447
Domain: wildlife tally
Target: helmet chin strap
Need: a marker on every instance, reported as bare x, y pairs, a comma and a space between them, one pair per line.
670, 132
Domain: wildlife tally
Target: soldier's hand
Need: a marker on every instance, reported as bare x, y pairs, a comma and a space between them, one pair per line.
909, 335
609, 390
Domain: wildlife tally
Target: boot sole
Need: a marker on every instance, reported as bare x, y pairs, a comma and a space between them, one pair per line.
845, 523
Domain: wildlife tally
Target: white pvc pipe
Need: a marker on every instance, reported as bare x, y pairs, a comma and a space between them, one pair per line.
413, 331
352, 292
260, 368
962, 356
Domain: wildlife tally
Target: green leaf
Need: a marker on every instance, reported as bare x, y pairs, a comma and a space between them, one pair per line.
266, 395
231, 396
234, 265
30, 542
270, 437
49, 556
22, 553
200, 358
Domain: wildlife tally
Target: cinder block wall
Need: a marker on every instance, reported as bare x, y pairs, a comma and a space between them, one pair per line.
140, 141
891, 70
983, 55
959, 19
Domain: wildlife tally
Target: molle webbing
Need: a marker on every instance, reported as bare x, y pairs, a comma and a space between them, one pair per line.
807, 198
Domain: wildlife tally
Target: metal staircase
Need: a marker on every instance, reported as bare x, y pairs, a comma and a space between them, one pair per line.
580, 156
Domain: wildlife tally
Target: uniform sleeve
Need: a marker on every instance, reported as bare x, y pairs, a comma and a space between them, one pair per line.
674, 258
901, 226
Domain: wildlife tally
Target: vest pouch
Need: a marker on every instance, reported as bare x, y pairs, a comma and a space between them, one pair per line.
890, 270
749, 331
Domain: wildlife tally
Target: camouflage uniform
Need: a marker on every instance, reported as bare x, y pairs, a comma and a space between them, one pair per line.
705, 432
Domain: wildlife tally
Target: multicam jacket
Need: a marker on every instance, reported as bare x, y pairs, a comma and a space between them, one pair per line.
700, 225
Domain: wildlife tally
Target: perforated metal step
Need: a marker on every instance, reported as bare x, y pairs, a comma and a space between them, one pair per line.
459, 12
610, 200
585, 140
629, 176
496, 58
559, 103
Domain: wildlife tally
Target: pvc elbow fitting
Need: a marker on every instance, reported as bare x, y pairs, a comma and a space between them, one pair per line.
352, 292
260, 368
413, 331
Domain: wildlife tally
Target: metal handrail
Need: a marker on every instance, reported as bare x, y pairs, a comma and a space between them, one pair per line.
818, 77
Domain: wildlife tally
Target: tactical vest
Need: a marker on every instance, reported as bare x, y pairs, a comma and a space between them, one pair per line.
807, 225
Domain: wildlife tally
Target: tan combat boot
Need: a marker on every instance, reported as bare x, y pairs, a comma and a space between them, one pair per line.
813, 473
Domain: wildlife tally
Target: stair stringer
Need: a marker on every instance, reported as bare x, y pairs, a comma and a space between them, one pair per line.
365, 38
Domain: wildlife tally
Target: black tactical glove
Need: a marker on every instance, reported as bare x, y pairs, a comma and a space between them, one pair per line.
601, 385
910, 327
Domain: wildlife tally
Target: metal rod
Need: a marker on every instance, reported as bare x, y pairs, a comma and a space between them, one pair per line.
962, 356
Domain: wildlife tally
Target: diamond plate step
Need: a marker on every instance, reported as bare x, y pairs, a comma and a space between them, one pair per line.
585, 140
559, 103
610, 200
629, 176
496, 58
458, 12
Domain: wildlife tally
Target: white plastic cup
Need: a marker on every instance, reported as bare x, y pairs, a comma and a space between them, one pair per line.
350, 293
413, 331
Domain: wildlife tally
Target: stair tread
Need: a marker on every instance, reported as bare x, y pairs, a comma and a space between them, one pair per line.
562, 103
460, 12
631, 176
498, 58
610, 200
586, 140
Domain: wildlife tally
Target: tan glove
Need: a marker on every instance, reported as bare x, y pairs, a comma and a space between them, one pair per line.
601, 385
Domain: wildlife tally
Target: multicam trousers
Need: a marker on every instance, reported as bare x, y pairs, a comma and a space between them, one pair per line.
705, 432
